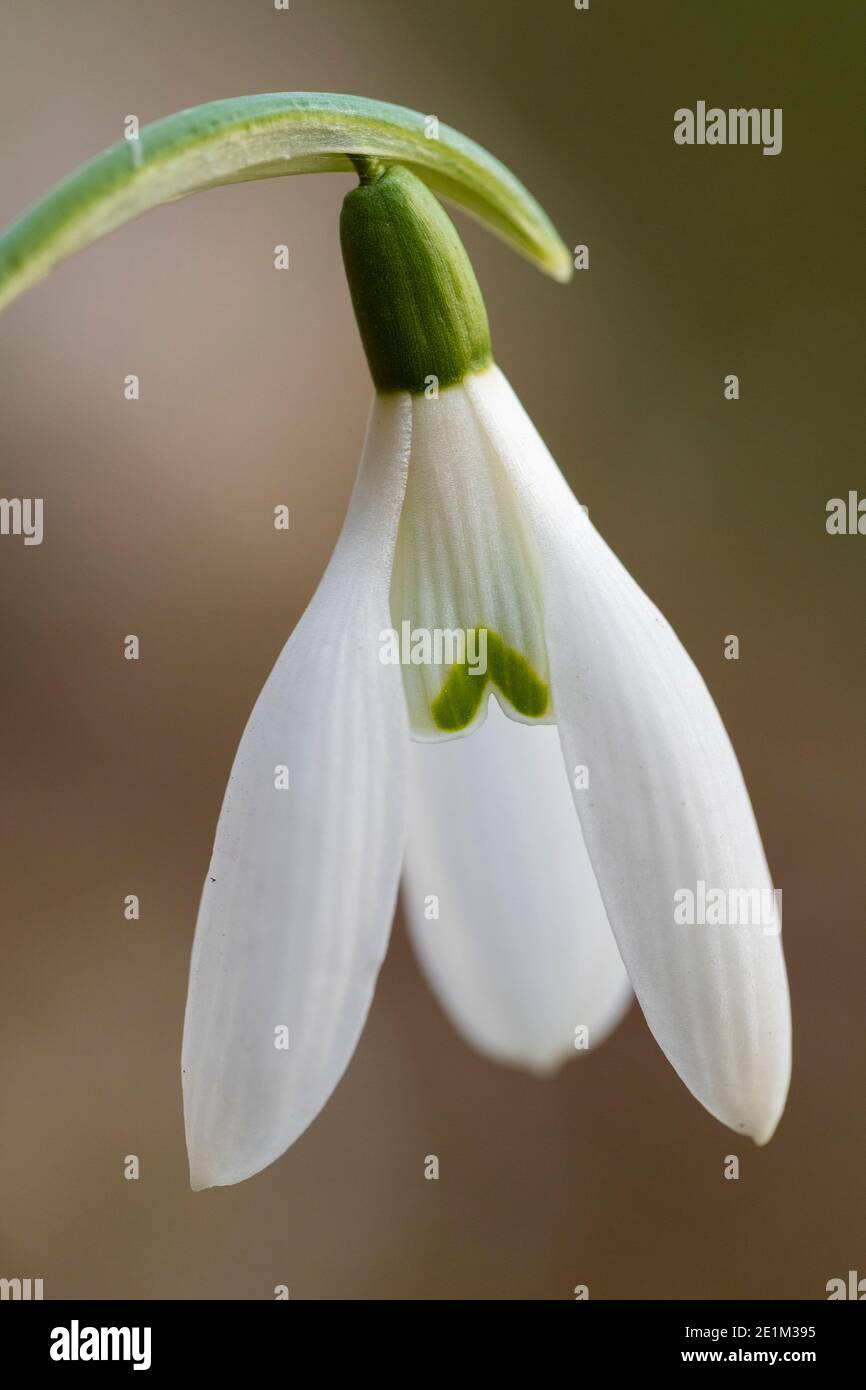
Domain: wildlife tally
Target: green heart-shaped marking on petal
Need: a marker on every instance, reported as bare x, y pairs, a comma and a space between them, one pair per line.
458, 701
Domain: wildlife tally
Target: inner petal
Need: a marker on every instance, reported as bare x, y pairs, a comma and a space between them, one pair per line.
466, 590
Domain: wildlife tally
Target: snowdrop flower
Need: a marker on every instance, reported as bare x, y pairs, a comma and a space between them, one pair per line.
461, 521
546, 807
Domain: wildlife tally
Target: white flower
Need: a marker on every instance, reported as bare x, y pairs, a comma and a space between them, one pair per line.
550, 866
460, 518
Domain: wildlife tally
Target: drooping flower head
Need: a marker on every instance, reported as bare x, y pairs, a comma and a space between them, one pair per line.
478, 698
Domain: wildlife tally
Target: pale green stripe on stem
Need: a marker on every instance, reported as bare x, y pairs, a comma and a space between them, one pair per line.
268, 136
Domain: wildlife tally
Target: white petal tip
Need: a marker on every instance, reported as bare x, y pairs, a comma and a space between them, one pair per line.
207, 1175
759, 1126
539, 1068
203, 1176
763, 1133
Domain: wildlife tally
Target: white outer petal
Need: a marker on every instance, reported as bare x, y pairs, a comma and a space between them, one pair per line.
521, 953
298, 902
667, 805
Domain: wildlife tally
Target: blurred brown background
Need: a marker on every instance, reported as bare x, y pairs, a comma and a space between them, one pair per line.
159, 522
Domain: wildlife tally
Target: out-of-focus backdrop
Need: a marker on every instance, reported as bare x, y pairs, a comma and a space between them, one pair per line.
158, 521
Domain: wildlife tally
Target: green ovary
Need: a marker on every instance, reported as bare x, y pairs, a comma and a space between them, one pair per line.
458, 701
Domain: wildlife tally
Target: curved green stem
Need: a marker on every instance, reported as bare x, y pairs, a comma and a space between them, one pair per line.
260, 137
